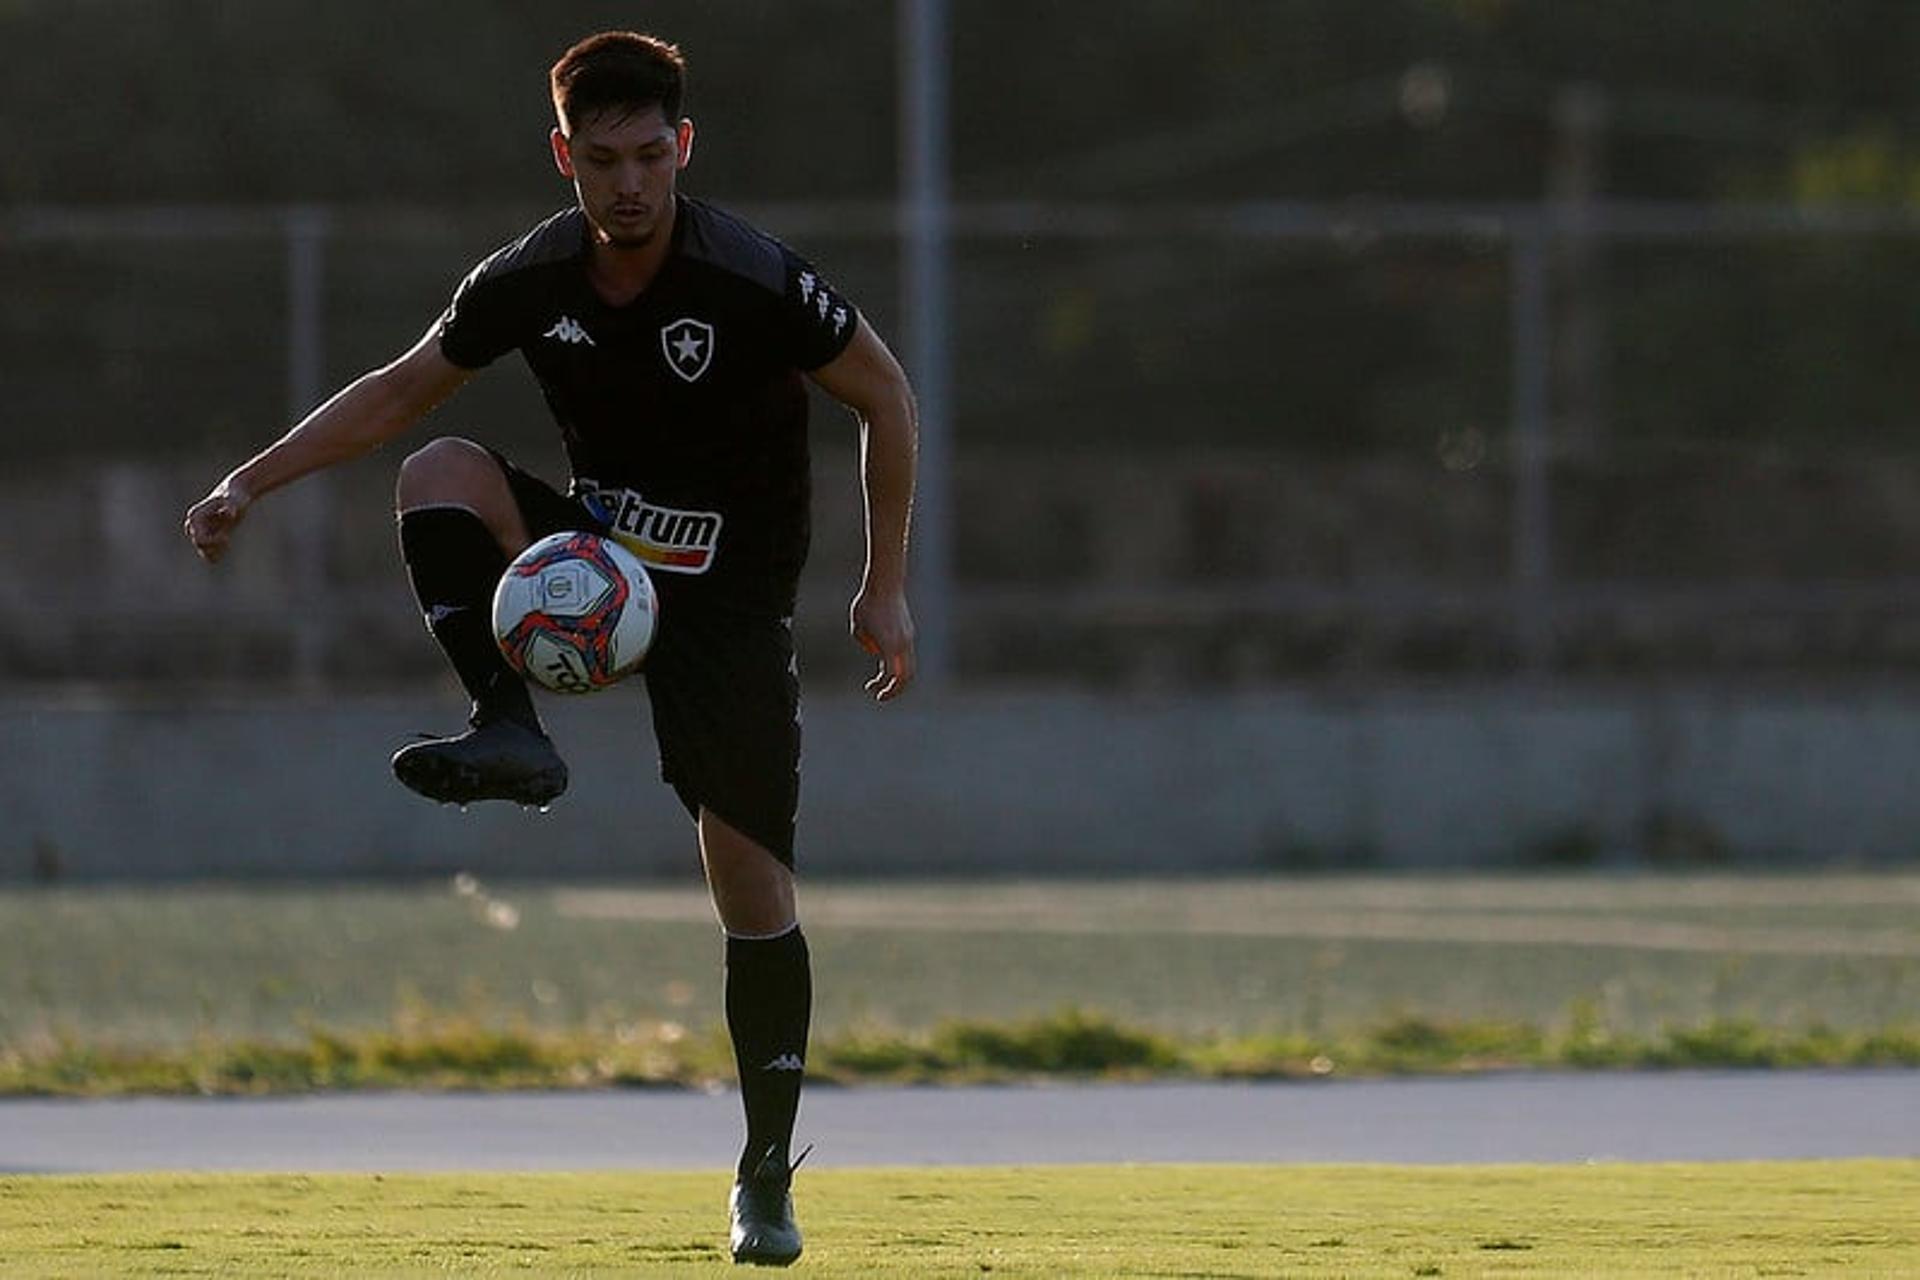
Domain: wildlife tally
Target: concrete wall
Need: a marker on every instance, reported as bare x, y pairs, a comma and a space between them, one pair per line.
1008, 783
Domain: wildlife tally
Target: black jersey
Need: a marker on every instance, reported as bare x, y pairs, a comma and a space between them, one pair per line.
684, 412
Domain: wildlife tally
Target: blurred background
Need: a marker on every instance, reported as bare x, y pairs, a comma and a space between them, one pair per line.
1404, 433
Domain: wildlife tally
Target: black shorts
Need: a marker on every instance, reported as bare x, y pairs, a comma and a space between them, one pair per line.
724, 687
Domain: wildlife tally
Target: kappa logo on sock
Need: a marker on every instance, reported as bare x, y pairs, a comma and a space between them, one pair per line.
441, 612
786, 1062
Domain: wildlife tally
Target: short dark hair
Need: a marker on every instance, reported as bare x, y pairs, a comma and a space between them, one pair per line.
619, 70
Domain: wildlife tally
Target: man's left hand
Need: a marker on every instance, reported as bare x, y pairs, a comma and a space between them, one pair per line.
883, 625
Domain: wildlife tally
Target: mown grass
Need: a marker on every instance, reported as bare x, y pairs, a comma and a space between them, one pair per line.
427, 1052
1850, 1218
174, 964
252, 989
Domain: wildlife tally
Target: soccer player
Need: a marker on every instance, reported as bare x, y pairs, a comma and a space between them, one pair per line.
671, 340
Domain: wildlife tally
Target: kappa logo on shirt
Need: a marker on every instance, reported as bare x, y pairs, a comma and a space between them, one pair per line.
568, 330
814, 293
688, 345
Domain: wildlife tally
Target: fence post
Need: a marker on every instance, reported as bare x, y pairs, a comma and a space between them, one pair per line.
310, 503
925, 217
1573, 187
1532, 529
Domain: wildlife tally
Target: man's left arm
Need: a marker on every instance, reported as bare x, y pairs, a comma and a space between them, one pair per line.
867, 379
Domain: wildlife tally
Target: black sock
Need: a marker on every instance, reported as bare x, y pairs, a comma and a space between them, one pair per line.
455, 563
769, 1003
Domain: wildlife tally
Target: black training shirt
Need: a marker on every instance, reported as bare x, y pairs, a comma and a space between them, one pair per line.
684, 412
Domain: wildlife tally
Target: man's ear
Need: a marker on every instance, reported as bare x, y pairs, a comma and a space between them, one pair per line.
683, 144
562, 155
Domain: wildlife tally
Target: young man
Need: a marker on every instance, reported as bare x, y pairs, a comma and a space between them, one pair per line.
670, 340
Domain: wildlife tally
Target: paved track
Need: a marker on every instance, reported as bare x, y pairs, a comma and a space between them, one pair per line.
1517, 1118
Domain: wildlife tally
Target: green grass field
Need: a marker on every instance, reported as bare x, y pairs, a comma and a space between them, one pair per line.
540, 984
1852, 1218
359, 981
154, 964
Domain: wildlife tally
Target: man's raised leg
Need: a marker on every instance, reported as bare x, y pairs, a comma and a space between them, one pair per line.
459, 524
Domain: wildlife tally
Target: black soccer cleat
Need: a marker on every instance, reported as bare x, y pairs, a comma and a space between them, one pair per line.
764, 1233
496, 759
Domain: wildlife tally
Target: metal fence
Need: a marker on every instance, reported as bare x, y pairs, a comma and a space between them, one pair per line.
1193, 443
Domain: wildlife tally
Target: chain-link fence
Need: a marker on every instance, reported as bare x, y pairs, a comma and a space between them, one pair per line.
1193, 446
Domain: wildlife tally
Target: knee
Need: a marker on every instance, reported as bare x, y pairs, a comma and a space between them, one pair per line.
446, 470
753, 900
752, 890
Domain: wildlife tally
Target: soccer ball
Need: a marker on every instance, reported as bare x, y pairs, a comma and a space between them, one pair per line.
575, 612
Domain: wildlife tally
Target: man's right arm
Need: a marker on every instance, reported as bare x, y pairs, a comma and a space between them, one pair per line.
364, 415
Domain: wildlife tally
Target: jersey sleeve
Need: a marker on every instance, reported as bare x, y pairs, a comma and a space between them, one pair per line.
816, 321
478, 326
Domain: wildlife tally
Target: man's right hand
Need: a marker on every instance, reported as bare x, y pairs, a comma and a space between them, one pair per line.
211, 521
372, 409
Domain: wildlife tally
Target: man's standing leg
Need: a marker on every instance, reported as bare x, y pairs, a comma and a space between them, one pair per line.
725, 693
769, 1002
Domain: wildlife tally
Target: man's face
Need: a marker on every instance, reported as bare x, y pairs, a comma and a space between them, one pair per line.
623, 166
